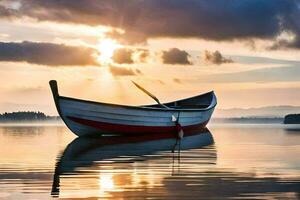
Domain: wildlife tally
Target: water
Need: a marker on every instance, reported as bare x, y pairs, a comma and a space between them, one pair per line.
240, 162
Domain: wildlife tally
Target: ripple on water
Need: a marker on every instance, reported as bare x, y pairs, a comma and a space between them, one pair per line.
246, 163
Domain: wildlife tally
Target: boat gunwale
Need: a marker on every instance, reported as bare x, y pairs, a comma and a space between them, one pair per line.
126, 114
147, 107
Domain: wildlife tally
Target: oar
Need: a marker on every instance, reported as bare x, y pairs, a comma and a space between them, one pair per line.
150, 95
174, 119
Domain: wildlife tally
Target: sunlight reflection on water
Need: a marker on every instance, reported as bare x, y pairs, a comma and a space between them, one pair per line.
42, 162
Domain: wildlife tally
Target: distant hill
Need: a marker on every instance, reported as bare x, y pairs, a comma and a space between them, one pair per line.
248, 120
292, 119
266, 112
25, 116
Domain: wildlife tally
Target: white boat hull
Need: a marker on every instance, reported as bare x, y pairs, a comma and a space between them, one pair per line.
90, 118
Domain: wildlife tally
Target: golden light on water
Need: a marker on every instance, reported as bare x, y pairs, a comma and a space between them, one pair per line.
106, 184
107, 47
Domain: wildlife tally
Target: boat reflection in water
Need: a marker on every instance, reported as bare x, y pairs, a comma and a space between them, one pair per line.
125, 167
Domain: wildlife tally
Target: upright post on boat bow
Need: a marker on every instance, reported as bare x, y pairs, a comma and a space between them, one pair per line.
54, 89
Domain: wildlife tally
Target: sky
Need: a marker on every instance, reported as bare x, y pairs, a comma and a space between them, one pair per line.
247, 51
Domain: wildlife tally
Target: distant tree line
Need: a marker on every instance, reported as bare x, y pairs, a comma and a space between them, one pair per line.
251, 120
25, 116
292, 119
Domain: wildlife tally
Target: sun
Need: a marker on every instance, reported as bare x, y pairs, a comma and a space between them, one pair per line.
107, 48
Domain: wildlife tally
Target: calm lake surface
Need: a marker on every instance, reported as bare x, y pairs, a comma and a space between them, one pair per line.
229, 162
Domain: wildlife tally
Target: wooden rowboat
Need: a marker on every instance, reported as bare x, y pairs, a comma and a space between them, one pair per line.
84, 117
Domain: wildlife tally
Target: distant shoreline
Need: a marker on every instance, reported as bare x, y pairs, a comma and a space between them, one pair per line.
249, 120
39, 117
28, 117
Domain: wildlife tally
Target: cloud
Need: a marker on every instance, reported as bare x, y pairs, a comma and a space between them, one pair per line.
175, 56
121, 71
286, 44
130, 55
177, 80
265, 75
123, 56
141, 55
263, 60
215, 58
47, 54
27, 89
130, 37
7, 12
139, 72
161, 82
211, 20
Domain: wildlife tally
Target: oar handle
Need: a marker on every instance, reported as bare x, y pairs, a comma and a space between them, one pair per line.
164, 106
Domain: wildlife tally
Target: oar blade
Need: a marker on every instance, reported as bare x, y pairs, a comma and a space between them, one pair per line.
147, 92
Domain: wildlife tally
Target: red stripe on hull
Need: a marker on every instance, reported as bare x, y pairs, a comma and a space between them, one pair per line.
134, 129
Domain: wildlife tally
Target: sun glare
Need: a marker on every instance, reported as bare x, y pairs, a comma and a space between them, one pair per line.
107, 48
106, 184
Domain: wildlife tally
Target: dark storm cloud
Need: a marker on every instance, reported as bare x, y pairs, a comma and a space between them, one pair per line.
175, 56
47, 54
215, 58
123, 56
121, 71
213, 20
7, 12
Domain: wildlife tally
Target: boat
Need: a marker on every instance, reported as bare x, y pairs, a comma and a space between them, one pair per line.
89, 118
